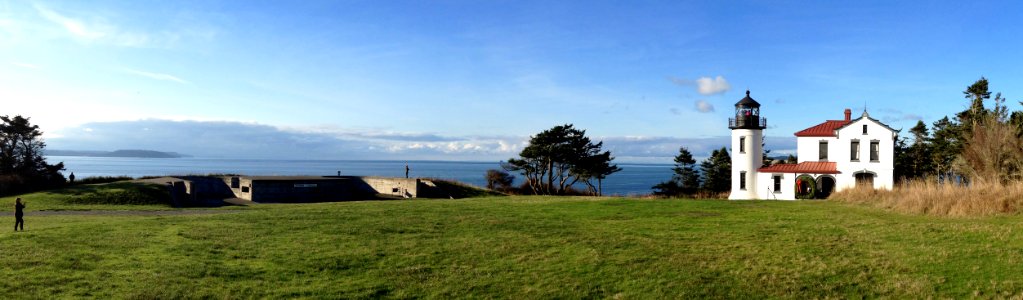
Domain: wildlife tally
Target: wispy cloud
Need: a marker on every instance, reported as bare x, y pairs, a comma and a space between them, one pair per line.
890, 116
251, 140
73, 26
157, 76
94, 31
704, 107
24, 65
705, 85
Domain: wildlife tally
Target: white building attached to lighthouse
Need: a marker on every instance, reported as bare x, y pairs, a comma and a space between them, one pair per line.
832, 156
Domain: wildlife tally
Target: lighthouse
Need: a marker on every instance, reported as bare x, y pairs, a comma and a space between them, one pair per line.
747, 147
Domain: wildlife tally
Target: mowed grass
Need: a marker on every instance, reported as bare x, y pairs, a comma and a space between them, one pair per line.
107, 196
518, 247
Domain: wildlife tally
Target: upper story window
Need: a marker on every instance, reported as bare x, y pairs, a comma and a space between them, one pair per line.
854, 150
742, 144
875, 149
823, 150
864, 128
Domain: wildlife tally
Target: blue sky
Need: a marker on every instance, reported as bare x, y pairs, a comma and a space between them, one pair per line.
471, 80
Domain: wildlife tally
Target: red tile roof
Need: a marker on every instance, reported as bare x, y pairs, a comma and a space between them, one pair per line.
811, 167
823, 129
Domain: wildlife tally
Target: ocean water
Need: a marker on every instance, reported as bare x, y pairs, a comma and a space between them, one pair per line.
634, 179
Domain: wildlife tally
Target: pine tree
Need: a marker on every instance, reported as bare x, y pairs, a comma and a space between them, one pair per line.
716, 171
685, 181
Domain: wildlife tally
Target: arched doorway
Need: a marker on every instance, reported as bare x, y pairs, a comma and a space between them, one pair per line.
825, 185
865, 179
806, 187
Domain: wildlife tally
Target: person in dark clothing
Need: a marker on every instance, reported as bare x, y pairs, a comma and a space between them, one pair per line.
72, 178
406, 170
19, 214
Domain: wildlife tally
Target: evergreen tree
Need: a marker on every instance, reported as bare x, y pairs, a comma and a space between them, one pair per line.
595, 165
685, 181
920, 163
919, 132
22, 165
560, 157
716, 171
902, 164
946, 144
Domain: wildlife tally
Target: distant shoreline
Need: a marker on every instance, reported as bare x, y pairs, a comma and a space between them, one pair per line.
116, 153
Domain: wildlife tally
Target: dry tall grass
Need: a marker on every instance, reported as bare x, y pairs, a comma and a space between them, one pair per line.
932, 198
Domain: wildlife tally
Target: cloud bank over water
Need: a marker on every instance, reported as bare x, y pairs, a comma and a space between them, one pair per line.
221, 139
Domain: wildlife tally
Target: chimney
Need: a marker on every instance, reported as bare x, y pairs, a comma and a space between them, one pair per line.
848, 114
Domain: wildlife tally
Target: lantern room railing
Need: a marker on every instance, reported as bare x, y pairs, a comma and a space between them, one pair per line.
747, 122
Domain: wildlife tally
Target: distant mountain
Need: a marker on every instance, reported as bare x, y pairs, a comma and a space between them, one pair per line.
118, 153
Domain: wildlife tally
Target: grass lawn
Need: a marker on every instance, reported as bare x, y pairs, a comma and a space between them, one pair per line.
517, 247
109, 196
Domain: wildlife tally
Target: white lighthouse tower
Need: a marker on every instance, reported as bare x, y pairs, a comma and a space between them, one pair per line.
747, 147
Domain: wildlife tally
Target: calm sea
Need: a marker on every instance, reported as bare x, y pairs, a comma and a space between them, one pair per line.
634, 179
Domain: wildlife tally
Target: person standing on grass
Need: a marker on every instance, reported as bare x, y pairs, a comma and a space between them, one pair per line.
19, 214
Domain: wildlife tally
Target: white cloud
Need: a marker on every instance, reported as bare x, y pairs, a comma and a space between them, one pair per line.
711, 86
25, 65
705, 85
95, 30
249, 140
157, 76
75, 27
704, 106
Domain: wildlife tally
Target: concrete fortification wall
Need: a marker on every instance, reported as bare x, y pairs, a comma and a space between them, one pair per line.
319, 188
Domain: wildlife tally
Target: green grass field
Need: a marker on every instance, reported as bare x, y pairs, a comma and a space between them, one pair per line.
110, 196
517, 247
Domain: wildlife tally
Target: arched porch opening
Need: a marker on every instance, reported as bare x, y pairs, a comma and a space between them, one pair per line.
825, 185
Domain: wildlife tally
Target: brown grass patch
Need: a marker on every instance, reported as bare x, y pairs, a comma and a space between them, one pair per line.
932, 198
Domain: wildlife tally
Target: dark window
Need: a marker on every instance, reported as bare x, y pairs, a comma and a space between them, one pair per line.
234, 182
742, 180
245, 189
742, 144
777, 184
864, 129
824, 150
864, 180
854, 150
875, 147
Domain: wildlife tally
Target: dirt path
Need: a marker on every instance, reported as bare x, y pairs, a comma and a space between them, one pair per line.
145, 213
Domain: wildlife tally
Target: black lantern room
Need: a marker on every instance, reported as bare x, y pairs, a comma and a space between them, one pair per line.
747, 115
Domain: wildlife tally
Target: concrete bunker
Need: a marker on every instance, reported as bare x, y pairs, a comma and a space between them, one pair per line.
320, 188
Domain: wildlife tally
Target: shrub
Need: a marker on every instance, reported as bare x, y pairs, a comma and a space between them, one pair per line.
498, 179
133, 193
102, 179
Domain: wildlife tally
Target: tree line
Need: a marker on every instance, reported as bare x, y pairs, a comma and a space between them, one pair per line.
984, 142
22, 165
711, 178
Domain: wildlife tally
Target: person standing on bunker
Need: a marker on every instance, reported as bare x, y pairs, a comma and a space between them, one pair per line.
19, 214
406, 170
72, 178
